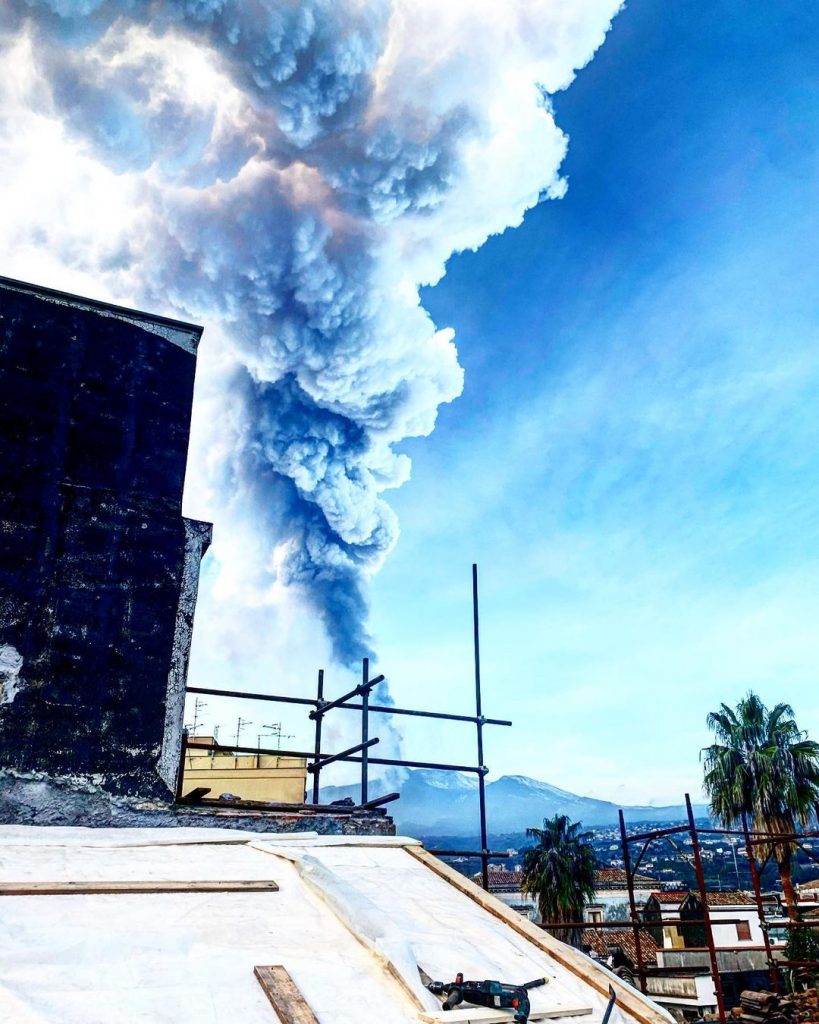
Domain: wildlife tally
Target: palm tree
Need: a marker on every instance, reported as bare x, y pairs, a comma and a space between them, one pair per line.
559, 872
763, 768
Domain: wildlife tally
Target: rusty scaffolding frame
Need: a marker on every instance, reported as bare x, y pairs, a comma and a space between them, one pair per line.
638, 922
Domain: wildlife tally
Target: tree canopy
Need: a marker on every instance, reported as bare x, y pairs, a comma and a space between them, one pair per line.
762, 768
559, 871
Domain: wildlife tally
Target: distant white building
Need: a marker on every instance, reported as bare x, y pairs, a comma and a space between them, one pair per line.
745, 929
506, 886
738, 937
808, 892
611, 894
738, 908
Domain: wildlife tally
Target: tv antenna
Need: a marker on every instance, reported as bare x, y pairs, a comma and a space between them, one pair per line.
240, 724
274, 730
198, 706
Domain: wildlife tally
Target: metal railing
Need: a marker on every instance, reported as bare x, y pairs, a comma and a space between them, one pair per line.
358, 699
639, 923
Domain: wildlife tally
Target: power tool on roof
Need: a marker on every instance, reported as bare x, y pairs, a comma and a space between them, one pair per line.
495, 994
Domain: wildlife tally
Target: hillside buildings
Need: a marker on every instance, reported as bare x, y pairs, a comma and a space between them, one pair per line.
675, 955
737, 908
611, 899
610, 894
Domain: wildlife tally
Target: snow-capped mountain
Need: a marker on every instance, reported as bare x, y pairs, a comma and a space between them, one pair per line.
447, 804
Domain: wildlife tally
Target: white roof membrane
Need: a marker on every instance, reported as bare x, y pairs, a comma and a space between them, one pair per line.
351, 922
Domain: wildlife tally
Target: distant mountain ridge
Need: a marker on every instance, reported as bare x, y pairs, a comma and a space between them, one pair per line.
446, 804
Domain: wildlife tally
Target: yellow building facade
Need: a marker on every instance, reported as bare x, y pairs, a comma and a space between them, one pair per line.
267, 777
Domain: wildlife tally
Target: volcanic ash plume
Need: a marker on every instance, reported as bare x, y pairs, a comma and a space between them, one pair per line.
289, 173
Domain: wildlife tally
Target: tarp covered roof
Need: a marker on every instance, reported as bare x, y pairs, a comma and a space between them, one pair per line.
352, 920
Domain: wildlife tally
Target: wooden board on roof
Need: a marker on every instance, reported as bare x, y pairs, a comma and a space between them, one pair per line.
284, 995
91, 888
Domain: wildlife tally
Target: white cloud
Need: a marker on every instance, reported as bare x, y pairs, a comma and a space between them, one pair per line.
290, 174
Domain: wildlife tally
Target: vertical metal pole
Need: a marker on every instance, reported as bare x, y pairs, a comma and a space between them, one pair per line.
635, 927
365, 727
317, 746
479, 716
706, 914
759, 907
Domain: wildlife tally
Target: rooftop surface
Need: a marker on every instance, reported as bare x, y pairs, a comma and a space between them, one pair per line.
601, 941
500, 880
730, 898
725, 898
618, 876
672, 898
351, 921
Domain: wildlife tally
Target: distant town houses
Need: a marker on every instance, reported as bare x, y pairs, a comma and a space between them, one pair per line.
734, 919
674, 953
610, 900
506, 885
617, 948
808, 892
616, 879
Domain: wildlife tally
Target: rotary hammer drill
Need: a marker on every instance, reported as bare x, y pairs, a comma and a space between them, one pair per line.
494, 994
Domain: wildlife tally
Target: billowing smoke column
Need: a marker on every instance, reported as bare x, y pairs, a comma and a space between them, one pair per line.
290, 172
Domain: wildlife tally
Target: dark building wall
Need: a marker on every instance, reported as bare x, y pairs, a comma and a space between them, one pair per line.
98, 568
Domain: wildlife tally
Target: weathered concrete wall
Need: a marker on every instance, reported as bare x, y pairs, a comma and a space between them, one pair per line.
98, 568
197, 540
38, 799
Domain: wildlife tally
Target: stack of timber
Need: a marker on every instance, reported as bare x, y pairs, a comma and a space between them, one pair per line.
801, 1006
769, 1008
761, 1008
373, 808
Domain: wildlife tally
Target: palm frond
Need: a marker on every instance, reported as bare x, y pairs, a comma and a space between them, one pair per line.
762, 766
559, 870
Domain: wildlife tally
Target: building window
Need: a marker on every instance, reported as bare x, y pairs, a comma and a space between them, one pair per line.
595, 917
743, 931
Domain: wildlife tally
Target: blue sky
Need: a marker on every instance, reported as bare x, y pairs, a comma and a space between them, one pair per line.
633, 463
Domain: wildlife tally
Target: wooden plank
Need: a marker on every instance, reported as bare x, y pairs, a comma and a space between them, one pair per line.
283, 993
91, 888
272, 805
397, 976
194, 796
628, 1000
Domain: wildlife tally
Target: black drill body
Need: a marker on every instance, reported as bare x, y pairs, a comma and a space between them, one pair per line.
495, 994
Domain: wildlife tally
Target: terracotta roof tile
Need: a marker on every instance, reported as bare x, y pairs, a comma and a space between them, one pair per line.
732, 898
617, 876
500, 881
600, 940
728, 898
672, 898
